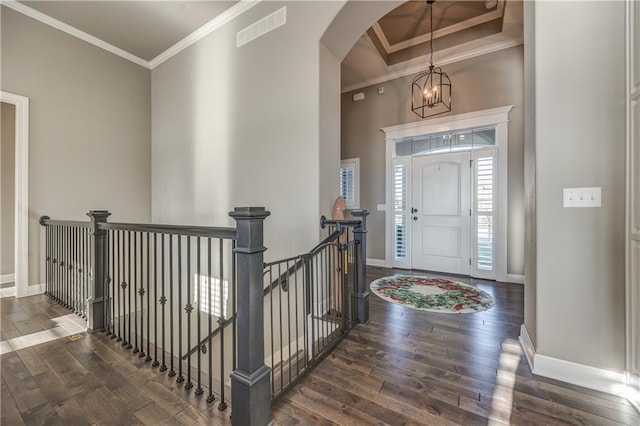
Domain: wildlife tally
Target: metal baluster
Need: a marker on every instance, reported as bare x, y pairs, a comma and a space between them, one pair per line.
67, 272
48, 260
61, 262
326, 292
108, 294
105, 284
134, 285
71, 267
210, 397
63, 265
280, 324
129, 285
50, 254
84, 270
198, 296
148, 357
288, 295
180, 378
120, 285
163, 302
305, 322
221, 318
297, 327
172, 371
234, 345
67, 269
59, 255
188, 309
114, 282
58, 270
87, 270
273, 349
141, 292
76, 267
155, 362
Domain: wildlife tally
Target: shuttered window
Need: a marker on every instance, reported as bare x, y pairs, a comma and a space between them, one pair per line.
208, 291
400, 211
350, 182
485, 208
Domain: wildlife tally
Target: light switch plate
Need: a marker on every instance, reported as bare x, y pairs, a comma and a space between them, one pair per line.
582, 197
382, 207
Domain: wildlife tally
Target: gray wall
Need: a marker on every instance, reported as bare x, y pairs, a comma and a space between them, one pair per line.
483, 82
580, 142
240, 126
329, 130
530, 314
7, 190
89, 127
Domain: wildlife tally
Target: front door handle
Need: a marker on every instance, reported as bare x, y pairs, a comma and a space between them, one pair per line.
415, 218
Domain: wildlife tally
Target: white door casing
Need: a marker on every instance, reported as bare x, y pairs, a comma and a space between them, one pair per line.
21, 268
497, 117
441, 213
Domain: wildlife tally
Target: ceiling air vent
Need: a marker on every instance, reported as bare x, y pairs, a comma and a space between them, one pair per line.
263, 26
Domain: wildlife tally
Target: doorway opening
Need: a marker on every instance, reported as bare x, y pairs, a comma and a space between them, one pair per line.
21, 269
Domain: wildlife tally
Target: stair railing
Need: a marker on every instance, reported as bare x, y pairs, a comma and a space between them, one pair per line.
312, 301
161, 290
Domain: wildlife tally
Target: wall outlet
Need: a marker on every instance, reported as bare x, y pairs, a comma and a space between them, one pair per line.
582, 197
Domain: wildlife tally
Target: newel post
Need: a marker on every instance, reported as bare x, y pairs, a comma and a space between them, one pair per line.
362, 291
250, 382
96, 303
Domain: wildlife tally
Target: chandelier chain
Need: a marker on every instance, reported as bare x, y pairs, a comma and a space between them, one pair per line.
431, 35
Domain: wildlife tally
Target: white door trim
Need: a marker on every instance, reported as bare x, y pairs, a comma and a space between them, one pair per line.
22, 191
498, 117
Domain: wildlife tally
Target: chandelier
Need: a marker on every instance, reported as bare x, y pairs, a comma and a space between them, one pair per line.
431, 90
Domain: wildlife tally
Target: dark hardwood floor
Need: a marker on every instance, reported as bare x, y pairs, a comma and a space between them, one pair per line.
403, 367
413, 367
87, 380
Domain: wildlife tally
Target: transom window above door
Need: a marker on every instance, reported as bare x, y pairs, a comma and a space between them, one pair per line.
440, 143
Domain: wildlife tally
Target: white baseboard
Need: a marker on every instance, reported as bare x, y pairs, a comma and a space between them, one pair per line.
515, 278
8, 278
7, 292
377, 262
613, 382
31, 290
527, 345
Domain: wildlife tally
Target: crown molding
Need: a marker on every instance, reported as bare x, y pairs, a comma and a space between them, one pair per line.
447, 58
217, 22
459, 26
59, 25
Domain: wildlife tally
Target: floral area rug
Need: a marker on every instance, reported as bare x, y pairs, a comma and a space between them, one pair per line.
432, 294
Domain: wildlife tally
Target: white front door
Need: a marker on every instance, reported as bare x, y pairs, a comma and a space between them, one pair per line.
441, 213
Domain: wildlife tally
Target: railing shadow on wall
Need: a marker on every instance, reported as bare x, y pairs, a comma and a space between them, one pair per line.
200, 303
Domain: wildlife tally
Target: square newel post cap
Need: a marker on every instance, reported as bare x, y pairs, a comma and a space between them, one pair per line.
249, 213
99, 215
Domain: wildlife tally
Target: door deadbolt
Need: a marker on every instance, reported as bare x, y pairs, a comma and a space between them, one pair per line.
414, 210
